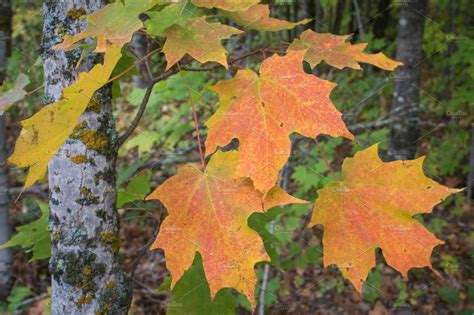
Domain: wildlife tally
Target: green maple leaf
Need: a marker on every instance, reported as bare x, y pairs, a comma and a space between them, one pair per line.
34, 236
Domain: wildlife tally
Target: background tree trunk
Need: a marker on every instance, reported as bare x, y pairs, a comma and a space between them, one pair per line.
404, 111
87, 276
5, 254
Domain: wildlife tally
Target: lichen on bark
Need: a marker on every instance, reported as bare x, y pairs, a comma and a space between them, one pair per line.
84, 221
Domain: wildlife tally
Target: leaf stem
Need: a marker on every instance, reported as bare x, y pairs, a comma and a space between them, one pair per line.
196, 121
326, 160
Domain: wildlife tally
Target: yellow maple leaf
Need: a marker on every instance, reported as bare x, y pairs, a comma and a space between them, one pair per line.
44, 133
373, 206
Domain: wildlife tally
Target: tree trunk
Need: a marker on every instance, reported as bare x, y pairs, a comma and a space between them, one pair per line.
382, 18
404, 111
5, 254
87, 276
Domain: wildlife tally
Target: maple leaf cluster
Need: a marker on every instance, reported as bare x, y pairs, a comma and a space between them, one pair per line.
371, 206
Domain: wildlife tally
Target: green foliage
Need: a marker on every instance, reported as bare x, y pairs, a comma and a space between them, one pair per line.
34, 237
262, 223
449, 295
271, 292
137, 189
173, 14
449, 264
371, 289
470, 292
191, 295
17, 295
310, 173
403, 294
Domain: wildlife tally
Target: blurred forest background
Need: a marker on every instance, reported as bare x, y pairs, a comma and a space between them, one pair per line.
426, 108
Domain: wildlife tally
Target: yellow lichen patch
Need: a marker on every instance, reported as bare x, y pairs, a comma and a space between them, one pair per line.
87, 271
74, 14
111, 238
94, 104
48, 129
92, 140
111, 284
78, 159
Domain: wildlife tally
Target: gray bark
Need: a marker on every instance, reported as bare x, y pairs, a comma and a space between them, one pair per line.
5, 232
404, 111
139, 46
87, 275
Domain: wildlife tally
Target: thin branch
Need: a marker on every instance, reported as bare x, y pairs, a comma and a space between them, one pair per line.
144, 103
134, 65
139, 115
141, 253
175, 69
360, 26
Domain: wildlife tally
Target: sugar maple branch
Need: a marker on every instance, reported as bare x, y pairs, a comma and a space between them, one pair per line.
167, 74
139, 115
144, 103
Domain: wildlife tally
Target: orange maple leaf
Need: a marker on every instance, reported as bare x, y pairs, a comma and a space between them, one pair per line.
198, 38
258, 18
208, 212
262, 111
337, 52
373, 206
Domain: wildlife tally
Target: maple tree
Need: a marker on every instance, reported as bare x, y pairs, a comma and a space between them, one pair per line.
372, 206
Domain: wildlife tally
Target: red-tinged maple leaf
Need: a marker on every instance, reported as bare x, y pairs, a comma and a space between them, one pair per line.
229, 5
198, 38
337, 52
373, 206
258, 18
262, 111
208, 213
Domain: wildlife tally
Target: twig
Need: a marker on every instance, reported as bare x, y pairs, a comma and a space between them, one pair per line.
134, 65
145, 100
137, 118
141, 252
358, 18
